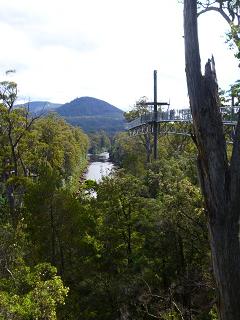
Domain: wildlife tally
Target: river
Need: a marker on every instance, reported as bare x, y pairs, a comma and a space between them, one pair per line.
99, 167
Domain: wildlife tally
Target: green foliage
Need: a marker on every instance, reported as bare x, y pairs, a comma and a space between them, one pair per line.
128, 152
233, 39
8, 93
59, 145
26, 292
40, 164
122, 200
99, 142
140, 108
173, 251
31, 294
235, 91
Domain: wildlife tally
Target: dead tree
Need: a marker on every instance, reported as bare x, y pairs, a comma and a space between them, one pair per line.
219, 178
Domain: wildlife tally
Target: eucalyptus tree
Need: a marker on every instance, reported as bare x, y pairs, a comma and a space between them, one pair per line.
15, 124
219, 176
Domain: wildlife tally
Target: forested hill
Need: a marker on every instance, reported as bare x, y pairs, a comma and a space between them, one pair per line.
92, 115
88, 106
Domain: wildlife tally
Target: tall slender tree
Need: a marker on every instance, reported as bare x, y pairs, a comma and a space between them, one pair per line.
15, 124
219, 178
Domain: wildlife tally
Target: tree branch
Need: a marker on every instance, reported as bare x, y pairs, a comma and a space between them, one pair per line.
219, 10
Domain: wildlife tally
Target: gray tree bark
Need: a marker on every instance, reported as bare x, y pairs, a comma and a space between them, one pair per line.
219, 179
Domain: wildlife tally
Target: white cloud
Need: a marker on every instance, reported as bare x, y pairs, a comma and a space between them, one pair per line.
107, 49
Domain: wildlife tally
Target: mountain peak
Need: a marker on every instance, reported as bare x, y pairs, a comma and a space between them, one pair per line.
92, 114
87, 106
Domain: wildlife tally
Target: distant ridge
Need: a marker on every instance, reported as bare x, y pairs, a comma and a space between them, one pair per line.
37, 106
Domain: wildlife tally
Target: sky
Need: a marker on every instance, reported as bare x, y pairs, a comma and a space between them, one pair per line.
107, 49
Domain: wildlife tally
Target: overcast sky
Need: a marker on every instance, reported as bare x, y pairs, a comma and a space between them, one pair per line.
106, 49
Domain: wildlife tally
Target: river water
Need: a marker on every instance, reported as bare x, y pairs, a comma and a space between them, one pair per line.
99, 167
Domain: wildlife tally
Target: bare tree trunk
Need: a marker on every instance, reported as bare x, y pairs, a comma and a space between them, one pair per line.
220, 182
146, 140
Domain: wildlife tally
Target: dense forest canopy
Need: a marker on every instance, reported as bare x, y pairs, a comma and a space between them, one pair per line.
126, 253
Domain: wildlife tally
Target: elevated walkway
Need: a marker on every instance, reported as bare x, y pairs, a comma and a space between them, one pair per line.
179, 122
